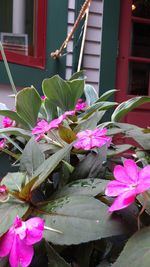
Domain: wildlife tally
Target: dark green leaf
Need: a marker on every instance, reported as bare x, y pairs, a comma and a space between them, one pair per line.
87, 187
91, 165
80, 219
54, 259
8, 212
31, 158
50, 164
137, 251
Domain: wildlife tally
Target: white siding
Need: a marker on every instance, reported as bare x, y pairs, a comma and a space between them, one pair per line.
92, 49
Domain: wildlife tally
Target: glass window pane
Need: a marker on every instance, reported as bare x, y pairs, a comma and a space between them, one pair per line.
17, 26
139, 74
140, 46
141, 8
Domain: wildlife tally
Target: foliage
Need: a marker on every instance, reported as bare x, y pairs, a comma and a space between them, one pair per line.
64, 185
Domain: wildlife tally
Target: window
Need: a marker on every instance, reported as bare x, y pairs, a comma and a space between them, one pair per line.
23, 31
133, 61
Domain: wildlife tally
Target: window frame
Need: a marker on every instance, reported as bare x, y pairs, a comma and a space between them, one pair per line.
37, 61
124, 57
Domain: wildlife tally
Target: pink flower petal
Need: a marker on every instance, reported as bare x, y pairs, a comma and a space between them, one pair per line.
35, 228
115, 188
14, 253
2, 144
123, 201
25, 253
69, 113
121, 175
56, 122
20, 253
7, 122
41, 127
144, 174
3, 188
89, 139
131, 169
6, 242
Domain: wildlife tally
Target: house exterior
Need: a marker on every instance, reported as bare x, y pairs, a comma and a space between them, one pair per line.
116, 52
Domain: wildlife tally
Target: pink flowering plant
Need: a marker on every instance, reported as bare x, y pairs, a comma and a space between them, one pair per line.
73, 192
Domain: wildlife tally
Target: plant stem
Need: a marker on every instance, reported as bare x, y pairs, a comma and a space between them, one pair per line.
8, 69
11, 153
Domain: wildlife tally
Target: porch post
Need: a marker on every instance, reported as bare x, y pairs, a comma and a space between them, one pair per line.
18, 19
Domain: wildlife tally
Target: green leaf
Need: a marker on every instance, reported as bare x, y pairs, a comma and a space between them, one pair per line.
54, 259
17, 132
80, 219
63, 93
91, 165
8, 212
49, 165
77, 89
28, 103
89, 123
51, 110
136, 252
87, 187
78, 75
140, 137
14, 180
97, 106
14, 116
31, 158
118, 149
106, 95
127, 106
90, 94
67, 134
57, 91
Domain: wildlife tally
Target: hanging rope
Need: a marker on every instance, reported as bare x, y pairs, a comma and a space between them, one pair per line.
82, 13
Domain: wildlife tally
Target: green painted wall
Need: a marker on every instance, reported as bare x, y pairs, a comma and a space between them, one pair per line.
109, 44
109, 49
56, 33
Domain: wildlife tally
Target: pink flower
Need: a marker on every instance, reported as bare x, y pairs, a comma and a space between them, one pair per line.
91, 139
56, 122
130, 182
7, 122
41, 127
80, 105
17, 242
3, 193
3, 189
43, 97
69, 113
2, 144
